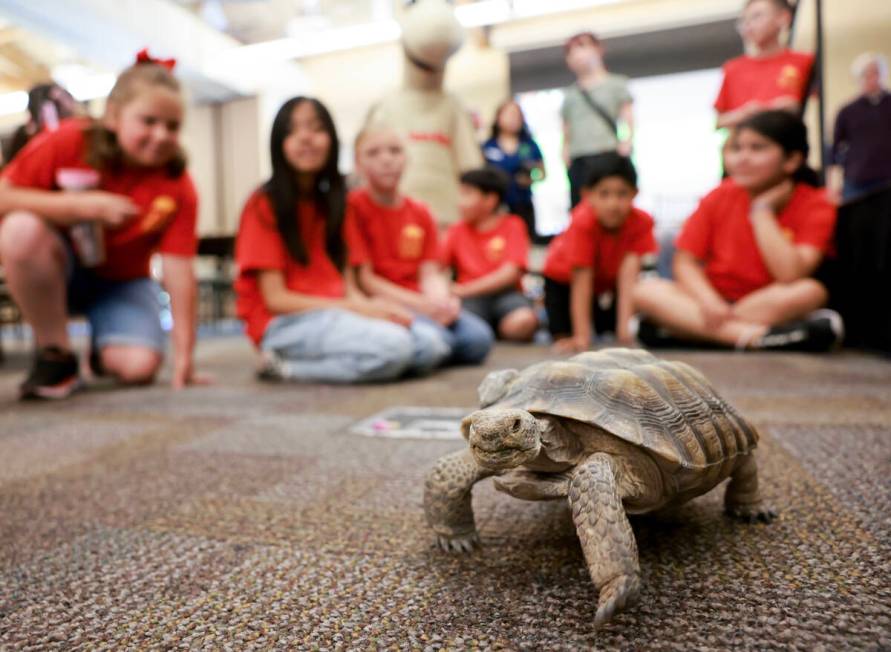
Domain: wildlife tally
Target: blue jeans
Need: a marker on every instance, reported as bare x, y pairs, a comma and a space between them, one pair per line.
431, 346
469, 338
339, 346
120, 312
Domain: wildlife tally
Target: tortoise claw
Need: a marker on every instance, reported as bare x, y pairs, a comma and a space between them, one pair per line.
461, 544
752, 513
615, 595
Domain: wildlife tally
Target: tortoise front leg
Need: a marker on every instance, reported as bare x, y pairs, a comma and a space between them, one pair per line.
742, 498
447, 500
606, 536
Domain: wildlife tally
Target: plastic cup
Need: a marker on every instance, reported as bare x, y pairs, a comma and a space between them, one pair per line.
88, 237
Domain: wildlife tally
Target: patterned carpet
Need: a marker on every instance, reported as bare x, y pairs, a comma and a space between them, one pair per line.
246, 516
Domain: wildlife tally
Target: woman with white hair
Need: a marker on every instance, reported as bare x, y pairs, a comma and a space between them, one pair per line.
861, 149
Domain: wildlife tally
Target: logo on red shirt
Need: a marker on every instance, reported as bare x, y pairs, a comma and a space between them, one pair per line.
495, 248
411, 242
159, 214
789, 78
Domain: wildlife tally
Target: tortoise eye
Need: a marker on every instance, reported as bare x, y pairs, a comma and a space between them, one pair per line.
515, 426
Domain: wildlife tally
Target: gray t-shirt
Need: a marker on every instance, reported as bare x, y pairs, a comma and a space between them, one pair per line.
589, 133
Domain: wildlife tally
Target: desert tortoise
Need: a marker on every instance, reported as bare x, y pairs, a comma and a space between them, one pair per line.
616, 431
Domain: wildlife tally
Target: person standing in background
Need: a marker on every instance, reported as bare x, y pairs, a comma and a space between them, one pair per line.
48, 104
512, 149
861, 149
770, 75
592, 109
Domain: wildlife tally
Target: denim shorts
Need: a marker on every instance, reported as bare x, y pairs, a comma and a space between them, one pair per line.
119, 312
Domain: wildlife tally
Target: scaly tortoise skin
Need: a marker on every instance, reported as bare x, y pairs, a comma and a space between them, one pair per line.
616, 432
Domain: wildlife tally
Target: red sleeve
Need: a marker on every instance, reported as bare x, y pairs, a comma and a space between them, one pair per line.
722, 102
580, 240
258, 244
431, 245
642, 240
805, 66
517, 250
695, 235
180, 237
357, 246
580, 244
36, 164
817, 226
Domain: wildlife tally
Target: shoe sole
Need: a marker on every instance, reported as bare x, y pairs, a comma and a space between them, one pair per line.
53, 393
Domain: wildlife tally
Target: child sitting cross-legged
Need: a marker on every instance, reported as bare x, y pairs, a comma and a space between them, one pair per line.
399, 261
488, 252
592, 267
745, 259
296, 290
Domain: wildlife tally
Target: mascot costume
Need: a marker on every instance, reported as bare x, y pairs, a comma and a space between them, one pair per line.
441, 141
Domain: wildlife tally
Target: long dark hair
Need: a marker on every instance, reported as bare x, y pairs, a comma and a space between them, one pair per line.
789, 132
329, 190
524, 134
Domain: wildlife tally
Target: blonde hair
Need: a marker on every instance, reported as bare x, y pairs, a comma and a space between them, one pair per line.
103, 150
373, 127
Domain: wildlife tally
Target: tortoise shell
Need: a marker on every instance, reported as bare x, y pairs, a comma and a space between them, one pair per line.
666, 408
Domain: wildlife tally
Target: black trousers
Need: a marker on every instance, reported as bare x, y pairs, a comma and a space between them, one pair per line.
557, 305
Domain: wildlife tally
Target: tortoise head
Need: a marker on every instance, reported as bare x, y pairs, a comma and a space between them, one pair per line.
502, 438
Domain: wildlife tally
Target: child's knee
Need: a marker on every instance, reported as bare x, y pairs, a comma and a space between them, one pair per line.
519, 325
477, 344
131, 365
648, 292
23, 236
430, 348
814, 291
394, 354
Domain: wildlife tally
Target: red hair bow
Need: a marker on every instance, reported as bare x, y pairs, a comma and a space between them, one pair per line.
144, 57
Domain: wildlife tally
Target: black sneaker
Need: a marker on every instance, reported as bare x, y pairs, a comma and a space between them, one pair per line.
821, 331
53, 376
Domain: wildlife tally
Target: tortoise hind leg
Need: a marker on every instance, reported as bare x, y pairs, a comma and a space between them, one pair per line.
742, 499
606, 536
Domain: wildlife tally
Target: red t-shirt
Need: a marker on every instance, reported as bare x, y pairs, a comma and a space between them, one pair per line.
397, 239
764, 79
169, 206
258, 246
473, 253
720, 234
587, 244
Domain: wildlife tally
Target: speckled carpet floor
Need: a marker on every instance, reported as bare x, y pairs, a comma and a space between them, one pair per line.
246, 516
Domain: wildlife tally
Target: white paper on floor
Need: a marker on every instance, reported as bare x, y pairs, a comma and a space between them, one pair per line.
413, 423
